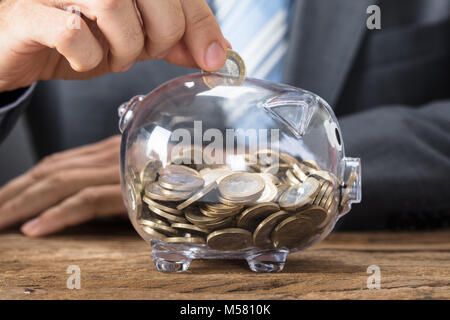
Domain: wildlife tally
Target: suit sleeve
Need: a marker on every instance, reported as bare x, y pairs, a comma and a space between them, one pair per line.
12, 105
405, 161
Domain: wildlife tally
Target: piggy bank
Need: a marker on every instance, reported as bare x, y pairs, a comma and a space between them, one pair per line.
220, 170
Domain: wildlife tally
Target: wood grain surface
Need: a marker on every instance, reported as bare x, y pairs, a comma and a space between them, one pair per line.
116, 264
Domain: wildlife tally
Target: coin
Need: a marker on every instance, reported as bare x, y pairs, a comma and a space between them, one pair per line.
150, 170
229, 239
292, 232
132, 176
161, 228
261, 235
198, 195
292, 178
268, 177
298, 196
154, 191
177, 169
154, 234
170, 217
322, 190
134, 200
181, 182
348, 187
223, 214
288, 159
185, 240
210, 175
189, 228
193, 215
251, 217
231, 74
326, 195
163, 207
316, 214
241, 186
220, 224
269, 194
299, 172
311, 164
276, 169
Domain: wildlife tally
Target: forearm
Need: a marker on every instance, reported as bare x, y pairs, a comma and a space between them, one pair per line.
405, 155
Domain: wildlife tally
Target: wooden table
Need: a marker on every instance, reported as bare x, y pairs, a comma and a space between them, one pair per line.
116, 264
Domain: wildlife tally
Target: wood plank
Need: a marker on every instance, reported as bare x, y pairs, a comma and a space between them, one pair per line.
116, 264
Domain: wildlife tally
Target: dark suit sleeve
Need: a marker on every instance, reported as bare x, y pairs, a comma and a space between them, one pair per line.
405, 157
12, 104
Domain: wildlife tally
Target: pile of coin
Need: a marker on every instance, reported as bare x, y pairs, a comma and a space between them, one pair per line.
274, 203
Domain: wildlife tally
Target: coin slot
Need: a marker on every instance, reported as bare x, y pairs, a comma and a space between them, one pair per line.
338, 136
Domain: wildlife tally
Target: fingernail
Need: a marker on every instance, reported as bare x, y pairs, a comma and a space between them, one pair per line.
128, 67
215, 56
31, 227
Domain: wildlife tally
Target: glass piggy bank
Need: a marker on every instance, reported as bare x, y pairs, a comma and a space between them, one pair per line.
225, 168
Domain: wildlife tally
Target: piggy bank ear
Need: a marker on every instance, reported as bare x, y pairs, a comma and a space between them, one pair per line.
293, 109
126, 113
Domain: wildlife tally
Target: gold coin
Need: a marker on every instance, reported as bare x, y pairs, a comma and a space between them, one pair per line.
316, 214
348, 187
282, 188
261, 235
322, 190
220, 207
326, 195
237, 202
154, 191
229, 239
211, 175
299, 173
220, 224
163, 207
288, 159
189, 228
293, 180
134, 200
251, 217
241, 186
181, 182
231, 74
269, 194
311, 164
276, 169
170, 217
292, 233
161, 228
193, 215
153, 234
298, 196
177, 169
185, 240
268, 177
325, 175
222, 214
150, 171
197, 196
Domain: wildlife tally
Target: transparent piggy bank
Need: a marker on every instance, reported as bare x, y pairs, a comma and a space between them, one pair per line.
215, 169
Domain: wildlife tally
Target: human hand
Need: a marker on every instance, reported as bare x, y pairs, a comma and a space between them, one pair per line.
65, 189
41, 40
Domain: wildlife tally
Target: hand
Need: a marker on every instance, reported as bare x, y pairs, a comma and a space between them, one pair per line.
42, 40
65, 189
